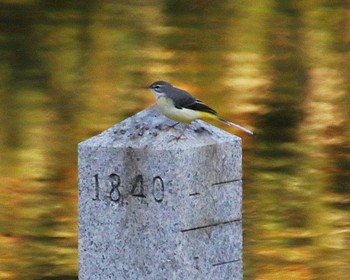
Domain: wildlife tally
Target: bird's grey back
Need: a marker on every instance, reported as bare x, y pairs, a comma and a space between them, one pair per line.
182, 99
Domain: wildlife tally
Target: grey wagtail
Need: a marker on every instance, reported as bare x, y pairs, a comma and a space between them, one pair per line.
180, 106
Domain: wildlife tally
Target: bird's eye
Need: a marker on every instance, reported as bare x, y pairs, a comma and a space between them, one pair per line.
157, 86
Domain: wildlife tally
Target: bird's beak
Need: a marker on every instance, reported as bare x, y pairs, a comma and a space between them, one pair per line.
145, 87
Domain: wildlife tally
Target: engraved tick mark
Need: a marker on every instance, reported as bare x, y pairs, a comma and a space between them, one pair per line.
226, 182
211, 225
226, 262
194, 194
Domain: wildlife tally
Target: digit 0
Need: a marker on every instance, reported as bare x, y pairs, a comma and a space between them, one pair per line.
158, 189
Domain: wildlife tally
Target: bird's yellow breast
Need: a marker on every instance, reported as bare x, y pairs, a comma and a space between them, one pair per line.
166, 107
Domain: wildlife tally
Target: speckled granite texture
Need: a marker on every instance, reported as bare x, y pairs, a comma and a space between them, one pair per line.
153, 207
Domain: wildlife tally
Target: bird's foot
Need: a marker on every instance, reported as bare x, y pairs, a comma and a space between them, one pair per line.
178, 137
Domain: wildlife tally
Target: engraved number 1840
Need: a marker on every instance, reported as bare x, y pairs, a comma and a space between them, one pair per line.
138, 188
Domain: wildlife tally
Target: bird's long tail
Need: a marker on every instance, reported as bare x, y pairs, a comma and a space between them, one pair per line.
236, 125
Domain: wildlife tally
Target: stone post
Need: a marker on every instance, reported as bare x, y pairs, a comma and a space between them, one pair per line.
151, 207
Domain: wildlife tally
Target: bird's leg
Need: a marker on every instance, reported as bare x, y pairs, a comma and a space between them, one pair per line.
173, 125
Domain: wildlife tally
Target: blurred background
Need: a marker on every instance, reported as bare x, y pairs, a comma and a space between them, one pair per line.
71, 69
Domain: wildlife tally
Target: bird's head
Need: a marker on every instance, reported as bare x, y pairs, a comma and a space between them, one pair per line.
159, 88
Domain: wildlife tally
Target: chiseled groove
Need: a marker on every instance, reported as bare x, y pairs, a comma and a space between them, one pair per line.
194, 194
226, 182
226, 262
212, 225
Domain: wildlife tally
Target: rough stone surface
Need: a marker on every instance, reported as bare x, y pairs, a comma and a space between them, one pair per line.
151, 207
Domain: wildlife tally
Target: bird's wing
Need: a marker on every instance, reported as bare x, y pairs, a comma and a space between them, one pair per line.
182, 99
198, 105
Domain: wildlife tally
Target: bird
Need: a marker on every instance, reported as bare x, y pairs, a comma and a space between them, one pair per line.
181, 107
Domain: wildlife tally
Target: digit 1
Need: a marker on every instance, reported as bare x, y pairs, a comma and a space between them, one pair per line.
97, 188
